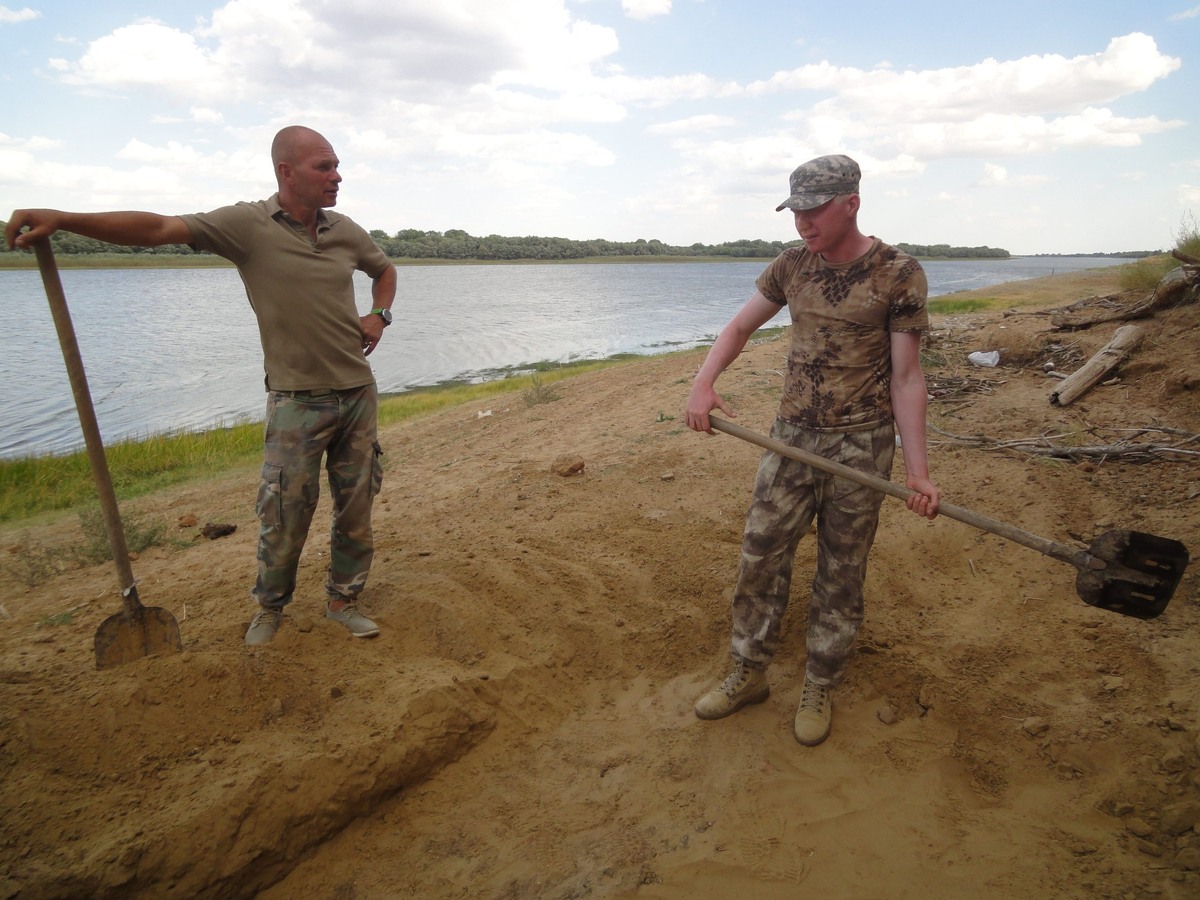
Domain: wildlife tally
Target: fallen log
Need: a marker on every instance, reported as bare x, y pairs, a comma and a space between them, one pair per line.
1179, 286
1176, 287
1095, 310
1111, 355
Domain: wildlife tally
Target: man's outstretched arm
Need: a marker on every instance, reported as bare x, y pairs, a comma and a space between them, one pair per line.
130, 228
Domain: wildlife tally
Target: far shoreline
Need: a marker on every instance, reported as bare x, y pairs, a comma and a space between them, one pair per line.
20, 260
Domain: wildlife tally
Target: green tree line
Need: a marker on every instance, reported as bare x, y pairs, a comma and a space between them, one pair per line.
458, 245
67, 244
945, 251
455, 244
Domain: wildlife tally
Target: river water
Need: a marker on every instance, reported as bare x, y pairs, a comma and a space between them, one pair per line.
177, 349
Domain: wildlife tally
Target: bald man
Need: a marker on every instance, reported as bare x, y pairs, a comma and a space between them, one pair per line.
297, 263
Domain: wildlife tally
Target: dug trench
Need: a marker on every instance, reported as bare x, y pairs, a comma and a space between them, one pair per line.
523, 727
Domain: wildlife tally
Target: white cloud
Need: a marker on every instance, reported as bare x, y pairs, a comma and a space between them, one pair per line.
993, 174
34, 144
199, 114
1025, 107
148, 55
1014, 135
483, 68
173, 154
15, 16
998, 176
1032, 84
691, 125
645, 9
1186, 14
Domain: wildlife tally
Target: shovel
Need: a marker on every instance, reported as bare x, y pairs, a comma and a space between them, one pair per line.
1128, 572
137, 630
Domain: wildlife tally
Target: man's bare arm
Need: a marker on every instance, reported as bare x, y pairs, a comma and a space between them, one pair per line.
130, 228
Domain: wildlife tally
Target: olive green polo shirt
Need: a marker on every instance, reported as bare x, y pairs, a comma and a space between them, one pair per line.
301, 290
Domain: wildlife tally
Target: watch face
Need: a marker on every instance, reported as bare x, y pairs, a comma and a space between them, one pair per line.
387, 316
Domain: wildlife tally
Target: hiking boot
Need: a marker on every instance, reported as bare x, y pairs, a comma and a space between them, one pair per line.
814, 718
743, 687
356, 623
263, 626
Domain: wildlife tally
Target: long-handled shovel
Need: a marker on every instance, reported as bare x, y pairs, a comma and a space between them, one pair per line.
137, 630
1129, 572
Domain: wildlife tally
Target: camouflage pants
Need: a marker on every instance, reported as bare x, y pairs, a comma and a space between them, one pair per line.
301, 427
787, 496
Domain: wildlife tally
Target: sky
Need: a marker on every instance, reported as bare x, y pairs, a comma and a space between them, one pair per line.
1038, 127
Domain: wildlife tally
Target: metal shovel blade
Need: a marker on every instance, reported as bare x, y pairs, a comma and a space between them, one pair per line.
1128, 572
1141, 576
135, 632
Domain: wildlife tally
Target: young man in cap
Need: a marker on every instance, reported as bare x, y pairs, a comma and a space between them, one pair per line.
853, 380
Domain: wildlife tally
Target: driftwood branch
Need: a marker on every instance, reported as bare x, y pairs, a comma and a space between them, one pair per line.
1111, 355
1180, 285
1126, 444
1176, 287
1095, 310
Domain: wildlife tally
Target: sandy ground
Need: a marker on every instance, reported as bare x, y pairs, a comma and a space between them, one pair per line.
523, 727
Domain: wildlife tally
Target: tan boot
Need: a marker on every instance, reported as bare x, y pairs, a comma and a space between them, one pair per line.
743, 687
814, 718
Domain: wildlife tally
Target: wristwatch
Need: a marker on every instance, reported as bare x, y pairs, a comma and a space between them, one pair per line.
385, 314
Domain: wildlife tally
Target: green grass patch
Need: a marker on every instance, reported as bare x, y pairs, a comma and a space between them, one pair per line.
40, 484
1145, 274
62, 618
32, 563
539, 391
95, 548
945, 306
1187, 239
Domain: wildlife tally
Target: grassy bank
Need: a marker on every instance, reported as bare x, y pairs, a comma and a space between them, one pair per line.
36, 485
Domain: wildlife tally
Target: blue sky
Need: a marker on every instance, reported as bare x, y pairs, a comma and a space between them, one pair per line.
1034, 126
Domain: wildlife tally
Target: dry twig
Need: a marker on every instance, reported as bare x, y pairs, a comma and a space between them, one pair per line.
1128, 445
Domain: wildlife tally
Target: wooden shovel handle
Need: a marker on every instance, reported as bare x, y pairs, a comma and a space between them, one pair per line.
87, 421
1062, 552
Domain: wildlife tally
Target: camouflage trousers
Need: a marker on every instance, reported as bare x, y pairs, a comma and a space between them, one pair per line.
301, 428
788, 495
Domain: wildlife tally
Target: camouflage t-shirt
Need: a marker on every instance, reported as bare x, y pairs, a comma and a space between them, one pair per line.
840, 365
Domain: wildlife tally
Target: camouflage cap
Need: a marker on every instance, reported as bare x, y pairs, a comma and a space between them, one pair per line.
820, 180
